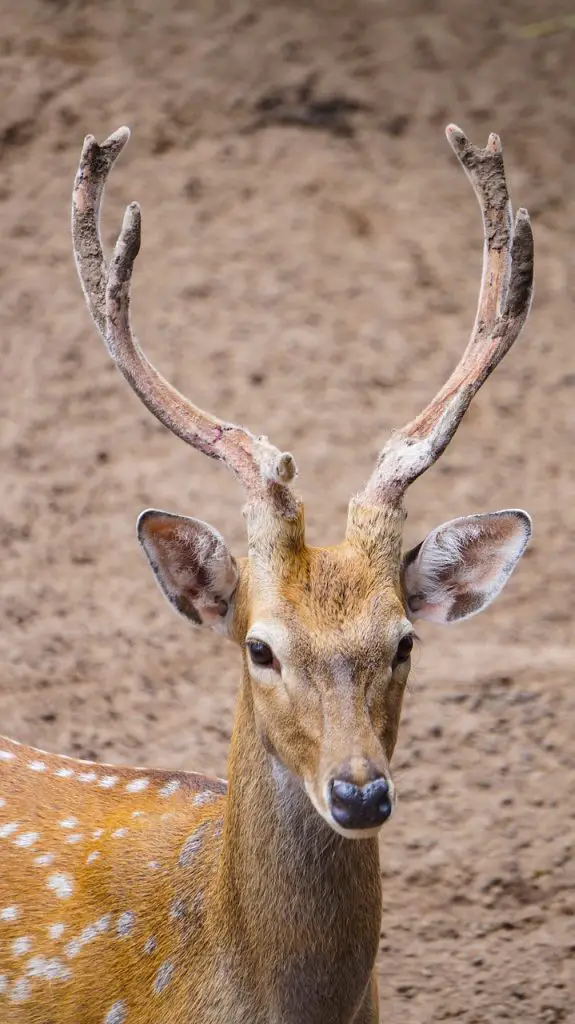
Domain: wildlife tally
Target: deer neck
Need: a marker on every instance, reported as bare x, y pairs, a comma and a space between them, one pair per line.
302, 904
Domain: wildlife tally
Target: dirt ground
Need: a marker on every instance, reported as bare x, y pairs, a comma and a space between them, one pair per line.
310, 267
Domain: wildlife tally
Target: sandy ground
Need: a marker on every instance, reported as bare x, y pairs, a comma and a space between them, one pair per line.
310, 267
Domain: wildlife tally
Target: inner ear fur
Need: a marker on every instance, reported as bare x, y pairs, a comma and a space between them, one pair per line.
192, 564
461, 566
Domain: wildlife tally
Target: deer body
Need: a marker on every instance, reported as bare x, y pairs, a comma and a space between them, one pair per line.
135, 896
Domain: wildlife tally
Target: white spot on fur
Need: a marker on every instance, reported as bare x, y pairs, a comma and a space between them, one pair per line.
57, 930
203, 798
87, 777
69, 823
38, 766
153, 864
117, 1014
76, 837
22, 945
99, 832
178, 911
49, 970
92, 856
138, 814
64, 773
164, 976
108, 782
170, 788
2, 802
73, 948
7, 755
192, 846
89, 933
21, 990
10, 914
120, 833
198, 902
151, 945
9, 829
62, 885
3, 983
126, 922
27, 839
137, 785
44, 860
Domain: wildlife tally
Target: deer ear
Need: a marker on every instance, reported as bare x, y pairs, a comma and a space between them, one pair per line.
463, 565
193, 565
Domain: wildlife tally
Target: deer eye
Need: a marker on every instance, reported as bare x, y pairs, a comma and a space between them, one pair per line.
260, 653
404, 649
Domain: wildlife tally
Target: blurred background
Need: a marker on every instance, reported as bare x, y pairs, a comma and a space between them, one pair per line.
310, 266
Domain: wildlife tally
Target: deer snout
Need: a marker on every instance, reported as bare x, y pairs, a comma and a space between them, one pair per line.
360, 807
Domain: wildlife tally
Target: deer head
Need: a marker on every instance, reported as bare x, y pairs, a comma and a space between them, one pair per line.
325, 633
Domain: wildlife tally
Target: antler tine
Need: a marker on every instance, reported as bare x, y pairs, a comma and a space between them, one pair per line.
504, 301
264, 471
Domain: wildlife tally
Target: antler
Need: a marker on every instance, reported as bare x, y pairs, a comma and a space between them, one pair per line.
504, 301
264, 471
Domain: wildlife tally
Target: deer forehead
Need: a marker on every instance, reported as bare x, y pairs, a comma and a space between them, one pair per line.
323, 589
330, 635
328, 615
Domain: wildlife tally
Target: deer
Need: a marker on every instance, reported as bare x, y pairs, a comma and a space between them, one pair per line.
148, 896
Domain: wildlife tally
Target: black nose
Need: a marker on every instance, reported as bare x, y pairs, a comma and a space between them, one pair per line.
360, 806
